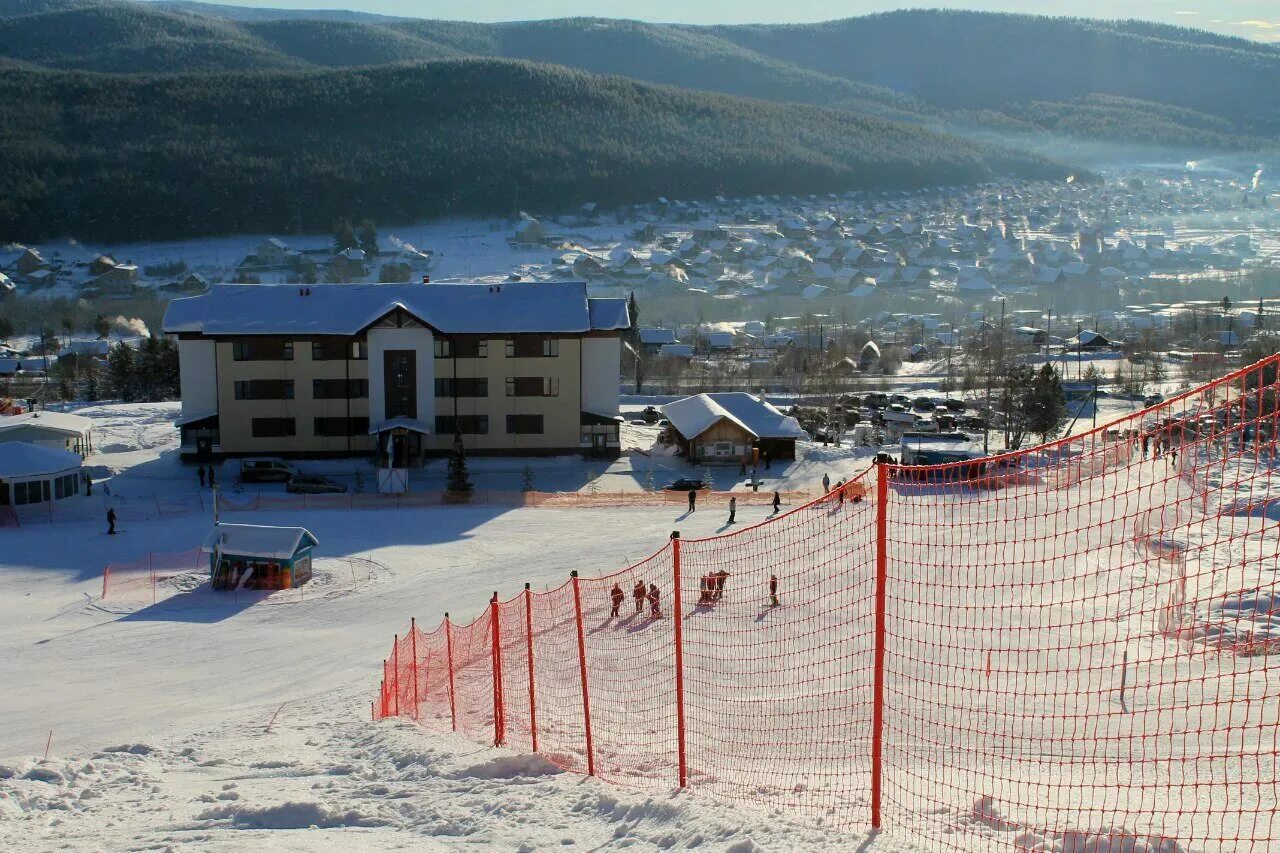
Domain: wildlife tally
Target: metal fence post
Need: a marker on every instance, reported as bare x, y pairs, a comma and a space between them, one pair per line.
413, 650
528, 634
678, 616
448, 642
582, 666
499, 713
877, 707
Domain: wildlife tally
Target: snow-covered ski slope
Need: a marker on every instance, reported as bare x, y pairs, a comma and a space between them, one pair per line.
1076, 649
208, 722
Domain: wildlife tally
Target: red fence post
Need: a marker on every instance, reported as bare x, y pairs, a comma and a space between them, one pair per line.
877, 706
678, 615
499, 713
395, 672
582, 665
528, 635
448, 643
413, 650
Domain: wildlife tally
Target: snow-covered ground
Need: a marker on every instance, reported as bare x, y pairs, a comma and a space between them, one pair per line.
206, 722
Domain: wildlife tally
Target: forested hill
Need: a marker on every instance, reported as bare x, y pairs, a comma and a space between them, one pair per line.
1110, 80
132, 156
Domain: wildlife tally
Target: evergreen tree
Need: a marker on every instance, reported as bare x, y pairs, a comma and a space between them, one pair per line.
367, 238
6, 327
458, 479
1045, 405
121, 373
101, 326
344, 236
149, 370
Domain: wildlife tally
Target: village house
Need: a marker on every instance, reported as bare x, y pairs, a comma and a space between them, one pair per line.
727, 427
398, 370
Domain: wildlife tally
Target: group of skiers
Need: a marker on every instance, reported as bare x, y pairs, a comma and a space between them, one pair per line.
1164, 448
711, 586
733, 504
711, 589
641, 594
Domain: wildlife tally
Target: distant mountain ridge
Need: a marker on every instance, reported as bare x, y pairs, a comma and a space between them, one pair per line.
127, 156
939, 68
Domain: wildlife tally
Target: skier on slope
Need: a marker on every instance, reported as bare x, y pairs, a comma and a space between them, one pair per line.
639, 594
654, 610
616, 596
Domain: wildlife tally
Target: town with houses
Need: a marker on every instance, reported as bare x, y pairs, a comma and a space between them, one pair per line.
343, 423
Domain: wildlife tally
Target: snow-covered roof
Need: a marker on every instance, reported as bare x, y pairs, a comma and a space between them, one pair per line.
23, 459
657, 336
345, 309
53, 421
694, 415
259, 540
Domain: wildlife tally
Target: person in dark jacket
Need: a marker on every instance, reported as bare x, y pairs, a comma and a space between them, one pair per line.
638, 595
200, 474
111, 521
773, 590
654, 610
693, 499
733, 508
777, 501
616, 596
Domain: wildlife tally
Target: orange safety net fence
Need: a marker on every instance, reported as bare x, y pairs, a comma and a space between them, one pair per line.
1066, 647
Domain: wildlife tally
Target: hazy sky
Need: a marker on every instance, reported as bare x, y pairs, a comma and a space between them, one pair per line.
1257, 19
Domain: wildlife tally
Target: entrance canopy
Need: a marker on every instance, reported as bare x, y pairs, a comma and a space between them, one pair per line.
408, 424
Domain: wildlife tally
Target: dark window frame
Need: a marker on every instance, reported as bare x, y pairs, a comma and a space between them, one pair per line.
522, 424
288, 427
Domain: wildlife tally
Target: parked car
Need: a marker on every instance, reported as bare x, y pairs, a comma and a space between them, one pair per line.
1152, 400
638, 422
923, 404
900, 399
651, 415
266, 470
956, 405
685, 484
876, 400
306, 484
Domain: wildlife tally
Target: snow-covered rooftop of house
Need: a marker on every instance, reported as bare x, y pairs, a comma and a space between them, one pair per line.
345, 309
23, 459
53, 421
259, 540
694, 415
657, 336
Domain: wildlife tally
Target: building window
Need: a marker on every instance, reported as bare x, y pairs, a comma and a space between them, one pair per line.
471, 347
31, 493
341, 427
264, 389
532, 346
338, 349
524, 424
262, 349
533, 386
444, 349
462, 387
465, 424
339, 389
273, 427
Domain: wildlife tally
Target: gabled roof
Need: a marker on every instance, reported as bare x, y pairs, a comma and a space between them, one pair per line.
259, 540
657, 336
345, 309
694, 415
